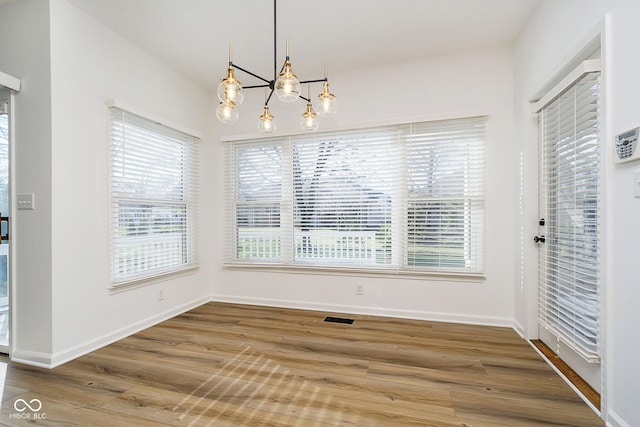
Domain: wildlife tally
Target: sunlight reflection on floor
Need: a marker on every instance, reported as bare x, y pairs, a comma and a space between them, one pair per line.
251, 371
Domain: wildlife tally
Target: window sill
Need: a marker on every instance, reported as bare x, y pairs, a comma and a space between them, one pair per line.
150, 280
359, 272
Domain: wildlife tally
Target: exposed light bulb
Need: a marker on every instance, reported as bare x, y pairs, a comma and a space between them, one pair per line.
230, 89
309, 122
267, 121
309, 119
287, 86
328, 103
227, 113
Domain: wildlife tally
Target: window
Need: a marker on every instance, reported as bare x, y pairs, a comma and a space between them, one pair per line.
408, 197
153, 184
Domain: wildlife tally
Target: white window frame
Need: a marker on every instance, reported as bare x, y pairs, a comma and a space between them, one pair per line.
167, 247
285, 258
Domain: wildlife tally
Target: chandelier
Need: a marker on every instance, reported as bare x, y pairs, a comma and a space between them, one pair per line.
286, 86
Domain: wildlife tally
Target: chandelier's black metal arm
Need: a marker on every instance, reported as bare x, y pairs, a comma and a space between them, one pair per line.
252, 74
257, 86
269, 97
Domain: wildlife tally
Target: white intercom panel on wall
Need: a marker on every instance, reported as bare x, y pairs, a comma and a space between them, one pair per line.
626, 146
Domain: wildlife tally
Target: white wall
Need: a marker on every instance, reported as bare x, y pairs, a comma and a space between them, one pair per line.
544, 46
624, 287
27, 58
69, 307
63, 307
457, 84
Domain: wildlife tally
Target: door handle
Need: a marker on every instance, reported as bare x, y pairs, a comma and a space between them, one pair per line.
539, 239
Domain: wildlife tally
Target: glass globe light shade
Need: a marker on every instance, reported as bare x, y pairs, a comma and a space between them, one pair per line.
267, 122
230, 89
309, 119
328, 103
287, 85
227, 113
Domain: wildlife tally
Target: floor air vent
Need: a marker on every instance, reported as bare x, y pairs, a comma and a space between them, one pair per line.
338, 320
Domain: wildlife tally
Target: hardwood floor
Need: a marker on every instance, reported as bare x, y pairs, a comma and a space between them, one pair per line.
234, 365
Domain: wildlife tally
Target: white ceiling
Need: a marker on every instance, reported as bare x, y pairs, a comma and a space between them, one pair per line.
193, 36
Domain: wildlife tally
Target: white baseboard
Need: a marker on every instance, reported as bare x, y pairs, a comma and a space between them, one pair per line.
613, 420
366, 310
53, 360
519, 329
46, 360
33, 358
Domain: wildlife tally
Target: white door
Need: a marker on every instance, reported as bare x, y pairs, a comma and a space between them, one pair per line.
5, 218
569, 273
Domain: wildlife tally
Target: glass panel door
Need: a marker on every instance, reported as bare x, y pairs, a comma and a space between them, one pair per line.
569, 236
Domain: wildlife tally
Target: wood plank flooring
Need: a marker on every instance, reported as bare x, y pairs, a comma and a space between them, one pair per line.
234, 365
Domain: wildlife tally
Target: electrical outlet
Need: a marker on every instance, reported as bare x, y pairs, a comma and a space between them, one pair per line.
160, 295
359, 289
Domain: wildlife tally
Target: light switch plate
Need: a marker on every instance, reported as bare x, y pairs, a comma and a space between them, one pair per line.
26, 201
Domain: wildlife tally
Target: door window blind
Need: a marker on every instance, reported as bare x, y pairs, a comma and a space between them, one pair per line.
407, 197
570, 198
153, 190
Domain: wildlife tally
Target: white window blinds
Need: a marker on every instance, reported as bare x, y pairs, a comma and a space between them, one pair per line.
153, 190
258, 202
445, 200
408, 197
569, 268
344, 186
